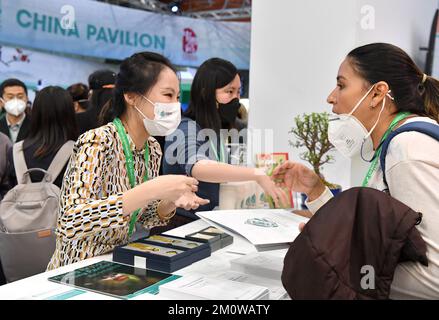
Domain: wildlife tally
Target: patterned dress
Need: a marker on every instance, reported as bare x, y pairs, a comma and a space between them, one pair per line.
91, 221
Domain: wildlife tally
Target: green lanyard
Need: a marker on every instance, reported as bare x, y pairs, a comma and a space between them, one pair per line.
130, 166
221, 157
400, 116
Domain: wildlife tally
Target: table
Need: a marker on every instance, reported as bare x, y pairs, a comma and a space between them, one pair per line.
39, 288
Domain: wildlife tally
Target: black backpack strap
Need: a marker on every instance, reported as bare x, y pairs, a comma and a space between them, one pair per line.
427, 128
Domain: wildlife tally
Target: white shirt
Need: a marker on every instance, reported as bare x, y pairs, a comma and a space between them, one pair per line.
14, 129
412, 173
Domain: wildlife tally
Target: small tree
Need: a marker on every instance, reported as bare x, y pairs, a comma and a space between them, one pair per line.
311, 131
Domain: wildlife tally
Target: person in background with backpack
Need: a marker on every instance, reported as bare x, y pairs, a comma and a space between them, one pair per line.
380, 90
28, 212
53, 123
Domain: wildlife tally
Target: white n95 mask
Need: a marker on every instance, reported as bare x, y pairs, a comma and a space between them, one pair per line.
167, 117
348, 134
15, 106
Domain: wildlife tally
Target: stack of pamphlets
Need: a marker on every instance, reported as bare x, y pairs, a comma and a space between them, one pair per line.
201, 287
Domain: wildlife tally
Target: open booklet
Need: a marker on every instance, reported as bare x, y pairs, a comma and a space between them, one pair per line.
115, 279
266, 229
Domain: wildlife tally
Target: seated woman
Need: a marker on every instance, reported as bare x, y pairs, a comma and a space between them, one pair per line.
379, 88
52, 124
111, 181
213, 109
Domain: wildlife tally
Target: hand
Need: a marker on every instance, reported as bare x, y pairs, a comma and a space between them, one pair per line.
299, 178
172, 187
277, 194
190, 201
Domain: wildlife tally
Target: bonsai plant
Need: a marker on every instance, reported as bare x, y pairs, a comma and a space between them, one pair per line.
311, 132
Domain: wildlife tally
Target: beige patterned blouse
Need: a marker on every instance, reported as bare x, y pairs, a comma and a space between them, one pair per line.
91, 221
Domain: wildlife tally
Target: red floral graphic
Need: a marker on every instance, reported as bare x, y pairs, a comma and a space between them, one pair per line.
190, 44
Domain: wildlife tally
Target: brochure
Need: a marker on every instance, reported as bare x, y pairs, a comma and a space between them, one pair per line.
201, 287
115, 279
266, 229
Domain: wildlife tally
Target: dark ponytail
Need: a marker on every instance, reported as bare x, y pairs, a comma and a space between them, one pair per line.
431, 97
138, 73
412, 91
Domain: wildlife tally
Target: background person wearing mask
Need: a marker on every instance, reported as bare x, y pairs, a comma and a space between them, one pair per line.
214, 105
15, 123
112, 183
379, 88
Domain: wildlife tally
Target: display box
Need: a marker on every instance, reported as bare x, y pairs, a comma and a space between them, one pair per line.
216, 238
226, 239
213, 240
162, 252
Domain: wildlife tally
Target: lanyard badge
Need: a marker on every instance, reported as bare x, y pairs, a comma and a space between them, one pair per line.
130, 166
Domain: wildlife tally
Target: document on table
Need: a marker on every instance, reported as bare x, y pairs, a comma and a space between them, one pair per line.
260, 264
198, 286
56, 293
266, 229
275, 288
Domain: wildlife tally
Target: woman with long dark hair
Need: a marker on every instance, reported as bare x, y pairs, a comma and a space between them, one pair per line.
212, 111
379, 89
111, 185
52, 124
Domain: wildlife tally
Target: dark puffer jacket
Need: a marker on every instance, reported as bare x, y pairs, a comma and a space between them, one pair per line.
350, 248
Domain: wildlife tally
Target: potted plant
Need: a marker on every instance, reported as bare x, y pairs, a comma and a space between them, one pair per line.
311, 132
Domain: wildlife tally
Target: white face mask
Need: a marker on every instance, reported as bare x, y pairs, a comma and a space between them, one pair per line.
15, 106
348, 134
167, 117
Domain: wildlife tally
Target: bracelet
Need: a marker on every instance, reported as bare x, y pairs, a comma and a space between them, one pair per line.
169, 215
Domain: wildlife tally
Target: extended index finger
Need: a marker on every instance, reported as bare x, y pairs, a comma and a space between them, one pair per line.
281, 169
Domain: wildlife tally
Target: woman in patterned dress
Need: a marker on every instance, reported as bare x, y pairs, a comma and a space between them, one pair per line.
98, 203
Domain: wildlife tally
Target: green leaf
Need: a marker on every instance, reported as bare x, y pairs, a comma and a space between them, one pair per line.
311, 134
